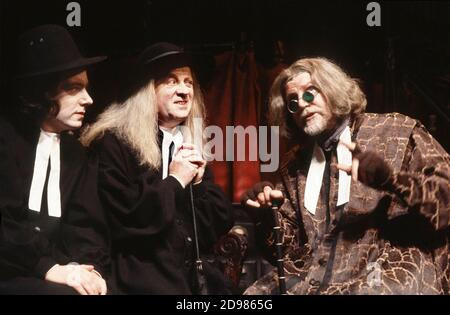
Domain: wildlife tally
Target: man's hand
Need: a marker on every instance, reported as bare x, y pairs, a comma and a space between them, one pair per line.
367, 167
83, 278
186, 164
190, 152
261, 195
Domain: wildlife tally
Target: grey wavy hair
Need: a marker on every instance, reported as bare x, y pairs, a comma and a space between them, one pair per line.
342, 93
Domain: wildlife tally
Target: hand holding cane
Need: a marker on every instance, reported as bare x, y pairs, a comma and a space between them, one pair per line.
263, 195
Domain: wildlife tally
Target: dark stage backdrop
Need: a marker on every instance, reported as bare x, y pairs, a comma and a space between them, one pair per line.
403, 64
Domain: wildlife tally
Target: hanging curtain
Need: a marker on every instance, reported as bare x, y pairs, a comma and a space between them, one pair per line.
232, 100
267, 75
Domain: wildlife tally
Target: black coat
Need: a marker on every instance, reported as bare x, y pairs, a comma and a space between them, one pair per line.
29, 240
150, 222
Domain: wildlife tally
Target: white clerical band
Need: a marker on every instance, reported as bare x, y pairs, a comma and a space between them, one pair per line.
48, 147
168, 137
314, 179
317, 168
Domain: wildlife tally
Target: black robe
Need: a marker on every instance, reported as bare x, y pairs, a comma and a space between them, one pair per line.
150, 222
30, 241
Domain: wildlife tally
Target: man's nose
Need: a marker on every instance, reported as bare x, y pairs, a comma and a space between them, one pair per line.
182, 89
86, 99
302, 104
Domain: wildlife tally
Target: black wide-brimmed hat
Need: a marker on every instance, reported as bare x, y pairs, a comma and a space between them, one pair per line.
49, 49
159, 59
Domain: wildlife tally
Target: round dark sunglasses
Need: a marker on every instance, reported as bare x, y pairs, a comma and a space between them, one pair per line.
292, 105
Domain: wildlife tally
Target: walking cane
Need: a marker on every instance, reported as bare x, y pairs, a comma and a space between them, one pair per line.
279, 248
199, 271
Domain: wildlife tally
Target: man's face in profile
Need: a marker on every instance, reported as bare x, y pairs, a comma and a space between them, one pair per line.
71, 98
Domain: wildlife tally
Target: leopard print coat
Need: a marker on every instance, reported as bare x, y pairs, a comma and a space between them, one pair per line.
380, 242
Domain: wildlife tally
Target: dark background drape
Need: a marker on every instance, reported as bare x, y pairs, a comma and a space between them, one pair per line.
404, 65
233, 99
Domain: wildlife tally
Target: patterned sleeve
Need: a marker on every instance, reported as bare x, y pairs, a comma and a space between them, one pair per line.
423, 183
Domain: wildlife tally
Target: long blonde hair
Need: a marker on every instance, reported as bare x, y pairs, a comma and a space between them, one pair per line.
135, 121
342, 92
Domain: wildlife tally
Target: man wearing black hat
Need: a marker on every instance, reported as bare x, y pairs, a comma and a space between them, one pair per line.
41, 166
151, 171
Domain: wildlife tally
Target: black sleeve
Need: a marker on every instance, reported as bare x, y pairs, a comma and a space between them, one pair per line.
141, 205
213, 211
145, 205
84, 227
23, 250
